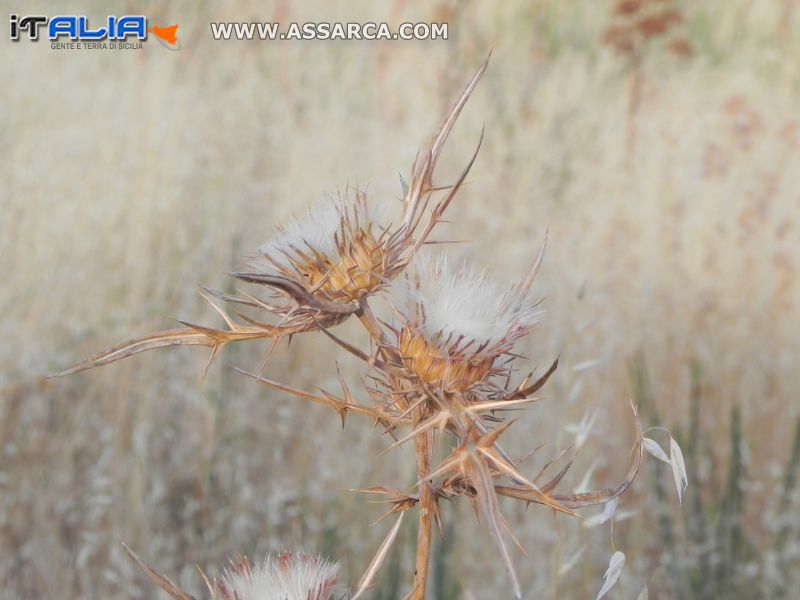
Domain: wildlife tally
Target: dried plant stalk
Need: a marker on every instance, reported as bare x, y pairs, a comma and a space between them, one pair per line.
442, 367
427, 507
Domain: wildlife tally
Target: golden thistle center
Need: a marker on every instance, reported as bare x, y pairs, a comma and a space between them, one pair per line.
358, 266
436, 365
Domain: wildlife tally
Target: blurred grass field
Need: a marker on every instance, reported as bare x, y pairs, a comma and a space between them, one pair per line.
128, 178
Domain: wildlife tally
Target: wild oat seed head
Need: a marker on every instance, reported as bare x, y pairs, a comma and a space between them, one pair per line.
286, 576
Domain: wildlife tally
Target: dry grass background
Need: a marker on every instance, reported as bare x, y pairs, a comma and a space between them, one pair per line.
129, 178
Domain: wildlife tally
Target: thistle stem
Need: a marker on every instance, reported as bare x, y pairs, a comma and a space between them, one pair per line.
426, 511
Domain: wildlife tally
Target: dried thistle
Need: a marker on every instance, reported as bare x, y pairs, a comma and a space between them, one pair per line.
447, 368
456, 327
338, 251
319, 266
442, 367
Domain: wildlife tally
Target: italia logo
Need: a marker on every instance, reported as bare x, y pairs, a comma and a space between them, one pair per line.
130, 30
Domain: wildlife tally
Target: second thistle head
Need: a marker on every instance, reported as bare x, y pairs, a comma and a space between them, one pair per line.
458, 326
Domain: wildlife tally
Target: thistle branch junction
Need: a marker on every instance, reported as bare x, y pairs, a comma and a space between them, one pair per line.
441, 367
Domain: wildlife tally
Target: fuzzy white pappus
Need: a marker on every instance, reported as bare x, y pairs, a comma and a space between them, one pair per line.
286, 576
463, 303
318, 229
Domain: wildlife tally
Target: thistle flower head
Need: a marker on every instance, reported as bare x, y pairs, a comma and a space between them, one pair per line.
456, 324
286, 576
320, 267
339, 248
438, 377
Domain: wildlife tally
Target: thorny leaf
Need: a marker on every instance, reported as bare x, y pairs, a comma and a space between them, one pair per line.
191, 335
479, 476
377, 560
329, 400
298, 293
537, 263
421, 185
550, 463
199, 335
437, 421
523, 391
160, 580
400, 501
580, 500
485, 446
551, 485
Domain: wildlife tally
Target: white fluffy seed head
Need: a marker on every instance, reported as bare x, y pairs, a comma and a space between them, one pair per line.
463, 304
287, 576
319, 228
